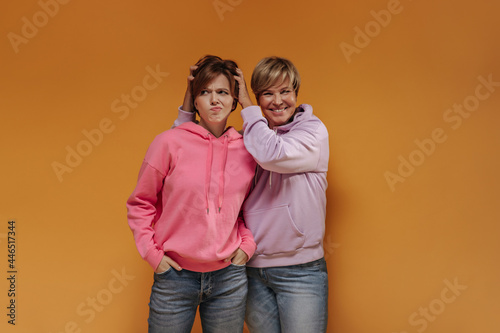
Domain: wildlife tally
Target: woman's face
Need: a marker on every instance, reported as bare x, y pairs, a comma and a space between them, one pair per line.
278, 103
214, 102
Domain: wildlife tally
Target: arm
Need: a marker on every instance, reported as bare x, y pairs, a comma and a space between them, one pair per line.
141, 207
183, 117
298, 150
247, 247
186, 110
247, 242
243, 96
143, 213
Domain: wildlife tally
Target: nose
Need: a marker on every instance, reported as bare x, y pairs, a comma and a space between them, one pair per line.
277, 99
213, 98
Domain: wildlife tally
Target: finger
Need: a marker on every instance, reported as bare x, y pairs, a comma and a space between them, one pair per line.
230, 258
240, 80
162, 270
239, 76
243, 255
192, 69
163, 266
242, 258
172, 263
239, 260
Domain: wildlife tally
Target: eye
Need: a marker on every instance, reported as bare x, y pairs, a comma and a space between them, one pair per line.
223, 92
204, 92
267, 94
286, 91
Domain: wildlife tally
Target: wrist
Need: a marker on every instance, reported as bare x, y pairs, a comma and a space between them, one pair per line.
245, 103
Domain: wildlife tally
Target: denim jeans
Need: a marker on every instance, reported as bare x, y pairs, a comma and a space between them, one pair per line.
290, 299
176, 295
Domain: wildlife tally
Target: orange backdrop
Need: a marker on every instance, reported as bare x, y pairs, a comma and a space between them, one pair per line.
409, 91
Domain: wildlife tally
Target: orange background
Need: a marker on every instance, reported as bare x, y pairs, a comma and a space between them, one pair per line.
393, 249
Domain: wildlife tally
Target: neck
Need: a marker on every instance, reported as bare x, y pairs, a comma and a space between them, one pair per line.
216, 129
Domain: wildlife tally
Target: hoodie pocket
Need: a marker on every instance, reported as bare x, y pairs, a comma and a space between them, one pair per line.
274, 230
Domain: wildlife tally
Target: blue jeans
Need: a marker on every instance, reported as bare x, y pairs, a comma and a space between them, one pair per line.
221, 296
291, 299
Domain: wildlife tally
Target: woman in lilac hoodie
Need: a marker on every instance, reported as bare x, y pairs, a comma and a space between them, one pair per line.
287, 276
185, 211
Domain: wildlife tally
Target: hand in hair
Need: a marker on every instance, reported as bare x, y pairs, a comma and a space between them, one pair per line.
187, 105
243, 96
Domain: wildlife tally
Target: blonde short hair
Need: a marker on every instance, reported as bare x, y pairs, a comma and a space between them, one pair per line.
271, 71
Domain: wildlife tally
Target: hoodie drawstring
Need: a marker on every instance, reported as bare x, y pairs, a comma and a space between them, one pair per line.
223, 172
208, 168
208, 175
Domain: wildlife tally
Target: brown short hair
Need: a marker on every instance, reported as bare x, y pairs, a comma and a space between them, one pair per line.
209, 67
274, 70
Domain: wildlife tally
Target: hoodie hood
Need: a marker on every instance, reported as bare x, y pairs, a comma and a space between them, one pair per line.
303, 111
202, 132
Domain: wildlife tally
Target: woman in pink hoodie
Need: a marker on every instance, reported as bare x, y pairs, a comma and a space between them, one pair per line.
185, 211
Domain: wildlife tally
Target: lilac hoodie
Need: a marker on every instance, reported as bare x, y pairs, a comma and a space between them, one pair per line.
286, 209
188, 198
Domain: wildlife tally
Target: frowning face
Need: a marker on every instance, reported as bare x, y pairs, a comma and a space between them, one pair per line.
214, 103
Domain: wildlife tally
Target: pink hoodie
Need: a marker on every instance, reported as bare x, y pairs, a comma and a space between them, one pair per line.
188, 198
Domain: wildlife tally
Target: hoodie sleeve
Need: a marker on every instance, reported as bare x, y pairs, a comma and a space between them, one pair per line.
248, 244
298, 150
144, 208
183, 117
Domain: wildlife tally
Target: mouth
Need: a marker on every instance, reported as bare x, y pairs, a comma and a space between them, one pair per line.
278, 110
216, 109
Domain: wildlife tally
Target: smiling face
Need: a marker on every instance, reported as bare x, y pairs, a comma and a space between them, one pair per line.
278, 103
214, 104
275, 83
